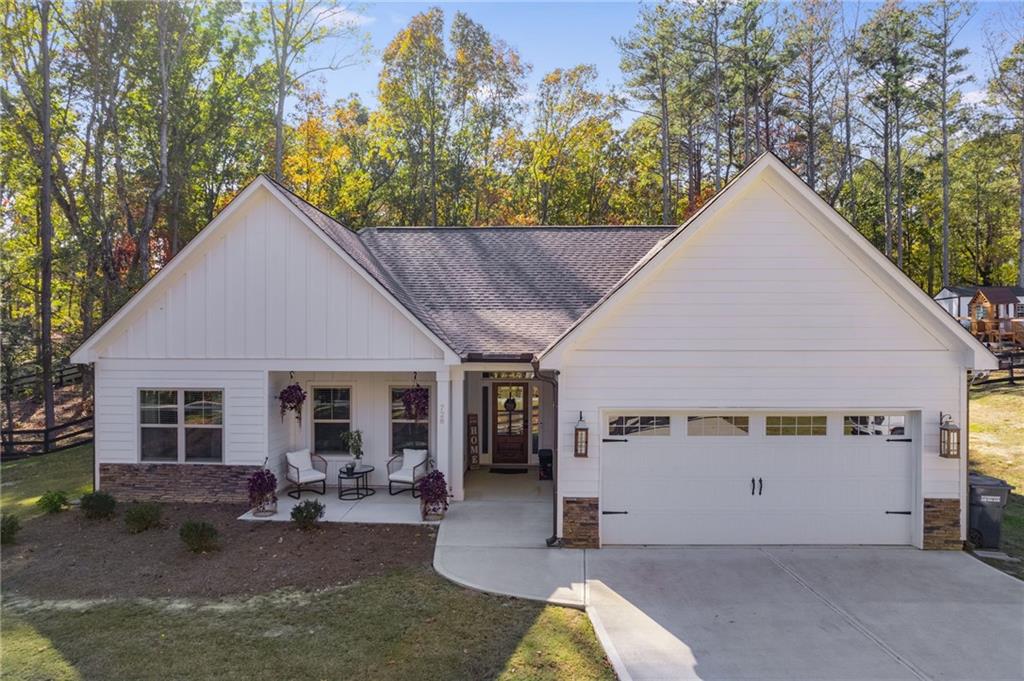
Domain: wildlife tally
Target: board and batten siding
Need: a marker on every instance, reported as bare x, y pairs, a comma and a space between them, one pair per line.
268, 287
759, 310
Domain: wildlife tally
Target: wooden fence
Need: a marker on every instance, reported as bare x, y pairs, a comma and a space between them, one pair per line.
1011, 370
19, 443
26, 382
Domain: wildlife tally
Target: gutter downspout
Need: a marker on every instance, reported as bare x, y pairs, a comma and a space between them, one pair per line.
554, 539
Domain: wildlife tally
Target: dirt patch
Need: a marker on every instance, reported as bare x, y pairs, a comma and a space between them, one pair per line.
67, 556
68, 405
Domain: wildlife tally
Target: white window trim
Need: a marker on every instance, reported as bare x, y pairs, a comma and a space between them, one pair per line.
312, 414
750, 425
827, 432
429, 421
180, 425
637, 413
886, 415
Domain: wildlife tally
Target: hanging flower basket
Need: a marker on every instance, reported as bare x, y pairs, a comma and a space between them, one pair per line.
292, 398
263, 493
416, 402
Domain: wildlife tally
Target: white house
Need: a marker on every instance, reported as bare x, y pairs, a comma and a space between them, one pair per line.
710, 418
955, 299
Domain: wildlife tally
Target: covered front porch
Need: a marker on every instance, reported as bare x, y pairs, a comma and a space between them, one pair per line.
475, 418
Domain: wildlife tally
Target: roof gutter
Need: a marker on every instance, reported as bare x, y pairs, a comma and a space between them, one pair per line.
551, 378
522, 357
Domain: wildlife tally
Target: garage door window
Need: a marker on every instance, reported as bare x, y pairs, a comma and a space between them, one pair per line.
717, 426
796, 425
874, 425
639, 425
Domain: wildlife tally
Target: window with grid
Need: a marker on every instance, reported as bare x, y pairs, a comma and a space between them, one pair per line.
886, 424
181, 426
332, 418
639, 425
717, 426
406, 432
796, 425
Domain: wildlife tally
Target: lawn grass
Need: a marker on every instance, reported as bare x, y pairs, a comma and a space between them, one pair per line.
997, 449
25, 480
407, 625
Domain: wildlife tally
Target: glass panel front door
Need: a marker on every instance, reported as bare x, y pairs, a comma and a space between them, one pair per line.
510, 431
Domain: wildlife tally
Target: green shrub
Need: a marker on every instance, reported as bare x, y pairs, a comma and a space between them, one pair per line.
306, 513
142, 517
53, 501
98, 505
9, 527
199, 536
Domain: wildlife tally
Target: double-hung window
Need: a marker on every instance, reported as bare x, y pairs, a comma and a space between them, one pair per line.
181, 426
407, 432
332, 418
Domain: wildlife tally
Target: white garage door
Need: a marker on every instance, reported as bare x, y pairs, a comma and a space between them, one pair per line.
678, 478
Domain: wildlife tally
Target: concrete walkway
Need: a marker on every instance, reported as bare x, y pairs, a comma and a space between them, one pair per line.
800, 613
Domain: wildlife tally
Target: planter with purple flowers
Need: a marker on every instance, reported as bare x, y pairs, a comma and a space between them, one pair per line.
263, 493
433, 492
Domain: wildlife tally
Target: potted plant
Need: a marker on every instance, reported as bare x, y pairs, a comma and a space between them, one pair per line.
353, 441
433, 492
263, 493
292, 398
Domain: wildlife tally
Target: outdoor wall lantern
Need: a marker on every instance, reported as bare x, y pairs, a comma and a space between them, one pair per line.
582, 437
949, 437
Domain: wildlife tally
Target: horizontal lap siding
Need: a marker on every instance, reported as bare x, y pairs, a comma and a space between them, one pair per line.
117, 409
269, 287
758, 311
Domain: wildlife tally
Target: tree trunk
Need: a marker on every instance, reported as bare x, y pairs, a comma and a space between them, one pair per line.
1020, 242
666, 186
46, 225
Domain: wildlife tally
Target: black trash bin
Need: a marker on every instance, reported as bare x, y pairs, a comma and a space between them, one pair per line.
544, 457
988, 499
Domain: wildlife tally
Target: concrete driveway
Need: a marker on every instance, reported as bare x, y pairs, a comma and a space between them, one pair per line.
805, 613
732, 613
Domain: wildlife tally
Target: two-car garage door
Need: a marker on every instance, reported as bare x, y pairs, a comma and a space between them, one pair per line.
699, 478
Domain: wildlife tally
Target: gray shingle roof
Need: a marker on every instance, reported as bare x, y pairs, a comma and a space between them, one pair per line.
508, 289
492, 290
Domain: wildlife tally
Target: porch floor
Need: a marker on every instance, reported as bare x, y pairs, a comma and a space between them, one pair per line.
400, 509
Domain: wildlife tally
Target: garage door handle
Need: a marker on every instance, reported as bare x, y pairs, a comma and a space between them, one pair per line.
760, 486
614, 439
898, 439
614, 512
752, 486
898, 513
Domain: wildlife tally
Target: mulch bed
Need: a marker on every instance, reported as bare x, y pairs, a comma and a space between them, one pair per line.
67, 556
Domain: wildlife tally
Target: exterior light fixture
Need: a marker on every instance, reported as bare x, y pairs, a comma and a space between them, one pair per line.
949, 437
582, 437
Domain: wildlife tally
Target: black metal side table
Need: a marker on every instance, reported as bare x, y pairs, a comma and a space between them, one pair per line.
361, 475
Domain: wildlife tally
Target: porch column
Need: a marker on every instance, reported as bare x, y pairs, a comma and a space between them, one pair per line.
458, 443
441, 424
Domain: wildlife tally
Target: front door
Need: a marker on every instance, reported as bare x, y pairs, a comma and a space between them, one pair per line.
510, 431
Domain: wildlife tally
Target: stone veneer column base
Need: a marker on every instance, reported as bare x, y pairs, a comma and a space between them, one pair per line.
942, 524
580, 523
192, 483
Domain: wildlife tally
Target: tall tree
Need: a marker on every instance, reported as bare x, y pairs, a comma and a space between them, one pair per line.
647, 60
28, 48
296, 27
943, 20
1006, 88
809, 77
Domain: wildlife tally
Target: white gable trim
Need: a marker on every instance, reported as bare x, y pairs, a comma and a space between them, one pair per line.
915, 302
87, 351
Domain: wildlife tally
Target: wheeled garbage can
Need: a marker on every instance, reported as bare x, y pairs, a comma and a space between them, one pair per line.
988, 499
